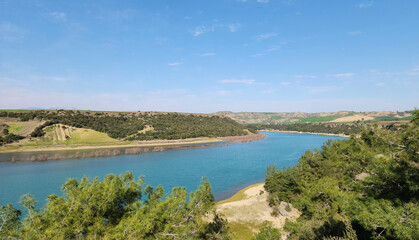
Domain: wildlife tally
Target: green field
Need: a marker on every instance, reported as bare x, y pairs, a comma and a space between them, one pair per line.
22, 128
81, 136
57, 134
318, 119
389, 118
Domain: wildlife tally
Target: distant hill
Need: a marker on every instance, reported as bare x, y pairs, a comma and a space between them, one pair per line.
69, 126
302, 117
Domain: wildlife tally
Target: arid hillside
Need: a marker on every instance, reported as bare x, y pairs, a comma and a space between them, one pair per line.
302, 117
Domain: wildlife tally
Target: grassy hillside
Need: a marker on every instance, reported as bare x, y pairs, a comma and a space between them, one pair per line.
60, 134
89, 136
79, 127
23, 128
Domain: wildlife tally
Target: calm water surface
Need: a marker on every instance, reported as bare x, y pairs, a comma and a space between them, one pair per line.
228, 168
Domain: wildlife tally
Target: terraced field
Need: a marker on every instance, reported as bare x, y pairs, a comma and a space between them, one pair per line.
60, 134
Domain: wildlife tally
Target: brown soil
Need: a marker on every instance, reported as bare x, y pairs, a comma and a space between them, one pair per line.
245, 138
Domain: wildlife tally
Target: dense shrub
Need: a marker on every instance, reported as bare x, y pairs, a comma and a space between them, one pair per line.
129, 125
116, 208
366, 187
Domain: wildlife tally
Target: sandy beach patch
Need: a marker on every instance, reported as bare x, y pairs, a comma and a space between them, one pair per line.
248, 210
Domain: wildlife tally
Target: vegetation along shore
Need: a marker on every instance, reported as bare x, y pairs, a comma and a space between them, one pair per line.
314, 133
110, 132
364, 187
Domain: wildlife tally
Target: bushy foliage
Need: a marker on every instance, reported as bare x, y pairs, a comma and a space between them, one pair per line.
366, 187
333, 128
129, 125
6, 136
114, 209
268, 232
9, 138
39, 131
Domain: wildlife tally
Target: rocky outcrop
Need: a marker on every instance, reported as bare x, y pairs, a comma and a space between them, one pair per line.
286, 209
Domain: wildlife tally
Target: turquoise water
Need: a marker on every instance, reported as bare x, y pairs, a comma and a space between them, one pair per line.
228, 168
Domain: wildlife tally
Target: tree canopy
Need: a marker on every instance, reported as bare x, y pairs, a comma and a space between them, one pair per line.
130, 125
118, 207
366, 187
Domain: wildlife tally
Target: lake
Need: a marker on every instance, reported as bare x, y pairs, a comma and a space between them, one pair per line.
228, 167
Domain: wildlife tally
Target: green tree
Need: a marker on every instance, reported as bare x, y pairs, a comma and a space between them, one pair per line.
9, 222
113, 209
268, 232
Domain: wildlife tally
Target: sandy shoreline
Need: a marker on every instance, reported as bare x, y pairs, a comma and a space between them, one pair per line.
40, 153
313, 133
246, 210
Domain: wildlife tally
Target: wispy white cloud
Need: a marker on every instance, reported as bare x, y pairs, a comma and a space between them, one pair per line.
354, 33
285, 83
60, 16
365, 4
407, 74
262, 1
224, 93
268, 91
181, 101
126, 14
343, 75
172, 64
10, 32
56, 79
414, 71
165, 92
380, 84
265, 36
273, 49
323, 89
266, 51
199, 30
207, 54
241, 81
234, 27
304, 76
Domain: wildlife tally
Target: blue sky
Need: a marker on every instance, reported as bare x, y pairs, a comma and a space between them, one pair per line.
207, 56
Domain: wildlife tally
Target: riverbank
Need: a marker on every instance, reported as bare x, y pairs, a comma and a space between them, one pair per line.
313, 133
55, 152
246, 210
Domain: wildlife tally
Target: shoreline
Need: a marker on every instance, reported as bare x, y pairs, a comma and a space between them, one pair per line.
312, 133
240, 194
60, 152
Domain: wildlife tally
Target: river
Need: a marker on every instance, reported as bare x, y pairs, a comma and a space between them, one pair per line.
227, 167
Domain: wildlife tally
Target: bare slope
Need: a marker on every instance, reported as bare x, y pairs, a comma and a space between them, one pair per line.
248, 209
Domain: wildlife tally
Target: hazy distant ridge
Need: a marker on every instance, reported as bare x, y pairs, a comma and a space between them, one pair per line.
290, 117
